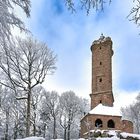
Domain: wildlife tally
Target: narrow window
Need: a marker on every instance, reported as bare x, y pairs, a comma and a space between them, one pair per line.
100, 80
100, 63
100, 48
100, 101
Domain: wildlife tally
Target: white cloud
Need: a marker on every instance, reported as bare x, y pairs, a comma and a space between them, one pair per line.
124, 98
70, 36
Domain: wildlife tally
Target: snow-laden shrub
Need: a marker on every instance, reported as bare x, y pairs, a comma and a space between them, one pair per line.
129, 136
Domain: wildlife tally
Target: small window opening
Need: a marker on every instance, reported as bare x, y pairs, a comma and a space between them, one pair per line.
111, 124
98, 123
100, 80
100, 63
100, 48
100, 101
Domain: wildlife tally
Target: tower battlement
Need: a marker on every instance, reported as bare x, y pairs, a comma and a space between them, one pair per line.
102, 40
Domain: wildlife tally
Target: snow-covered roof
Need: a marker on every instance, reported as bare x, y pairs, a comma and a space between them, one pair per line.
105, 110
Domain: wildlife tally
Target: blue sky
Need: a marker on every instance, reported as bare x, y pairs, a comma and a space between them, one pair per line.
71, 35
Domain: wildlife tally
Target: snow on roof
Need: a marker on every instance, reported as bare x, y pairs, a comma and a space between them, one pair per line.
105, 110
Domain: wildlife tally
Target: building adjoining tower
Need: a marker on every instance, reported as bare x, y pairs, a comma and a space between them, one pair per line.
103, 114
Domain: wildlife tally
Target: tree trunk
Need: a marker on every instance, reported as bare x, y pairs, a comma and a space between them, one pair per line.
34, 129
44, 134
39, 131
34, 125
68, 131
6, 132
65, 133
7, 124
15, 131
137, 126
69, 125
28, 114
54, 129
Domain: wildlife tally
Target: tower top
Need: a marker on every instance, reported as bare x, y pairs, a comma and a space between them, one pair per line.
102, 40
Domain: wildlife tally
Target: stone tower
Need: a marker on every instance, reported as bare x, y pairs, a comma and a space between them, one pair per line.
103, 115
102, 72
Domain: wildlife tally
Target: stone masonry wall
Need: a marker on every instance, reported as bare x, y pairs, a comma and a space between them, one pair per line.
125, 126
102, 73
105, 98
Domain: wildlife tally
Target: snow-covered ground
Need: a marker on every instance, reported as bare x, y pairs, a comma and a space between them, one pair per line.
125, 135
32, 138
122, 135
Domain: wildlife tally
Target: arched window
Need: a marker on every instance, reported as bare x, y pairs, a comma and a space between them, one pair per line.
98, 123
111, 124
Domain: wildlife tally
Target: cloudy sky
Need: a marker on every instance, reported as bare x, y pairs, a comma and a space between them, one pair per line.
70, 37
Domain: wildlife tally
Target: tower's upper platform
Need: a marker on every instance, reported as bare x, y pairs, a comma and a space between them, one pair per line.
101, 40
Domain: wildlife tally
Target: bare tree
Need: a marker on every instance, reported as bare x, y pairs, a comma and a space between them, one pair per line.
44, 119
132, 113
51, 105
25, 65
7, 103
19, 118
69, 109
87, 4
6, 100
134, 14
8, 18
